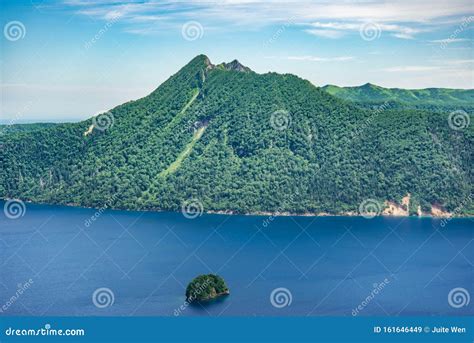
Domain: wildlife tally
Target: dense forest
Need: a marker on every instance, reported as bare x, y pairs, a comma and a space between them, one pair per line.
11, 128
239, 141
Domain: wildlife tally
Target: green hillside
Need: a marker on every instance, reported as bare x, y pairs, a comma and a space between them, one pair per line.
414, 98
7, 129
240, 141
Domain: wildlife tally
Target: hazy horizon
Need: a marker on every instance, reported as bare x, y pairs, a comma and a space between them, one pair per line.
71, 119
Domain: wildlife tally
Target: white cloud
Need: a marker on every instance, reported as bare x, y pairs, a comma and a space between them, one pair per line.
339, 29
337, 26
326, 33
449, 40
146, 18
402, 18
402, 35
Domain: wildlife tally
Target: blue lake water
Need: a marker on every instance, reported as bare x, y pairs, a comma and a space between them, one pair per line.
325, 265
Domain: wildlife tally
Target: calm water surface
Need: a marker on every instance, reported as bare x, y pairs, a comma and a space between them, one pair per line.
328, 265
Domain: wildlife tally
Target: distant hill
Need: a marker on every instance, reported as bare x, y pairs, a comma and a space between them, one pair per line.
6, 129
224, 138
415, 98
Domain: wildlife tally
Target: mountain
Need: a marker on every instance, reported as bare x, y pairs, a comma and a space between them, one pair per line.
6, 129
420, 98
224, 138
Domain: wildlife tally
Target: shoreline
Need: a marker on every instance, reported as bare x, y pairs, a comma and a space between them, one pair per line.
257, 213
324, 214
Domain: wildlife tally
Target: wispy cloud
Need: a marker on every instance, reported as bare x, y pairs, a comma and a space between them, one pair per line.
340, 29
449, 40
403, 35
326, 33
329, 19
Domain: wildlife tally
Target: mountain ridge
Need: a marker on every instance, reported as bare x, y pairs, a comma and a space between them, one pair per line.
372, 94
243, 142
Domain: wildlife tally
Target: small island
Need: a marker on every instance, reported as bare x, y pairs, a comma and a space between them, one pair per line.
206, 287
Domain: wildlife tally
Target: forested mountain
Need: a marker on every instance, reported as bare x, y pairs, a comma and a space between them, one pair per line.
429, 98
6, 129
234, 140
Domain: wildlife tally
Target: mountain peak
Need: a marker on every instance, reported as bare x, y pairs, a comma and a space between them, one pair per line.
369, 85
219, 131
201, 60
235, 65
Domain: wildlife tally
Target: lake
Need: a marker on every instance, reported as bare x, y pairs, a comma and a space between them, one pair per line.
56, 260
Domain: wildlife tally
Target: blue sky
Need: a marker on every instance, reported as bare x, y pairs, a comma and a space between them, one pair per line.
68, 60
